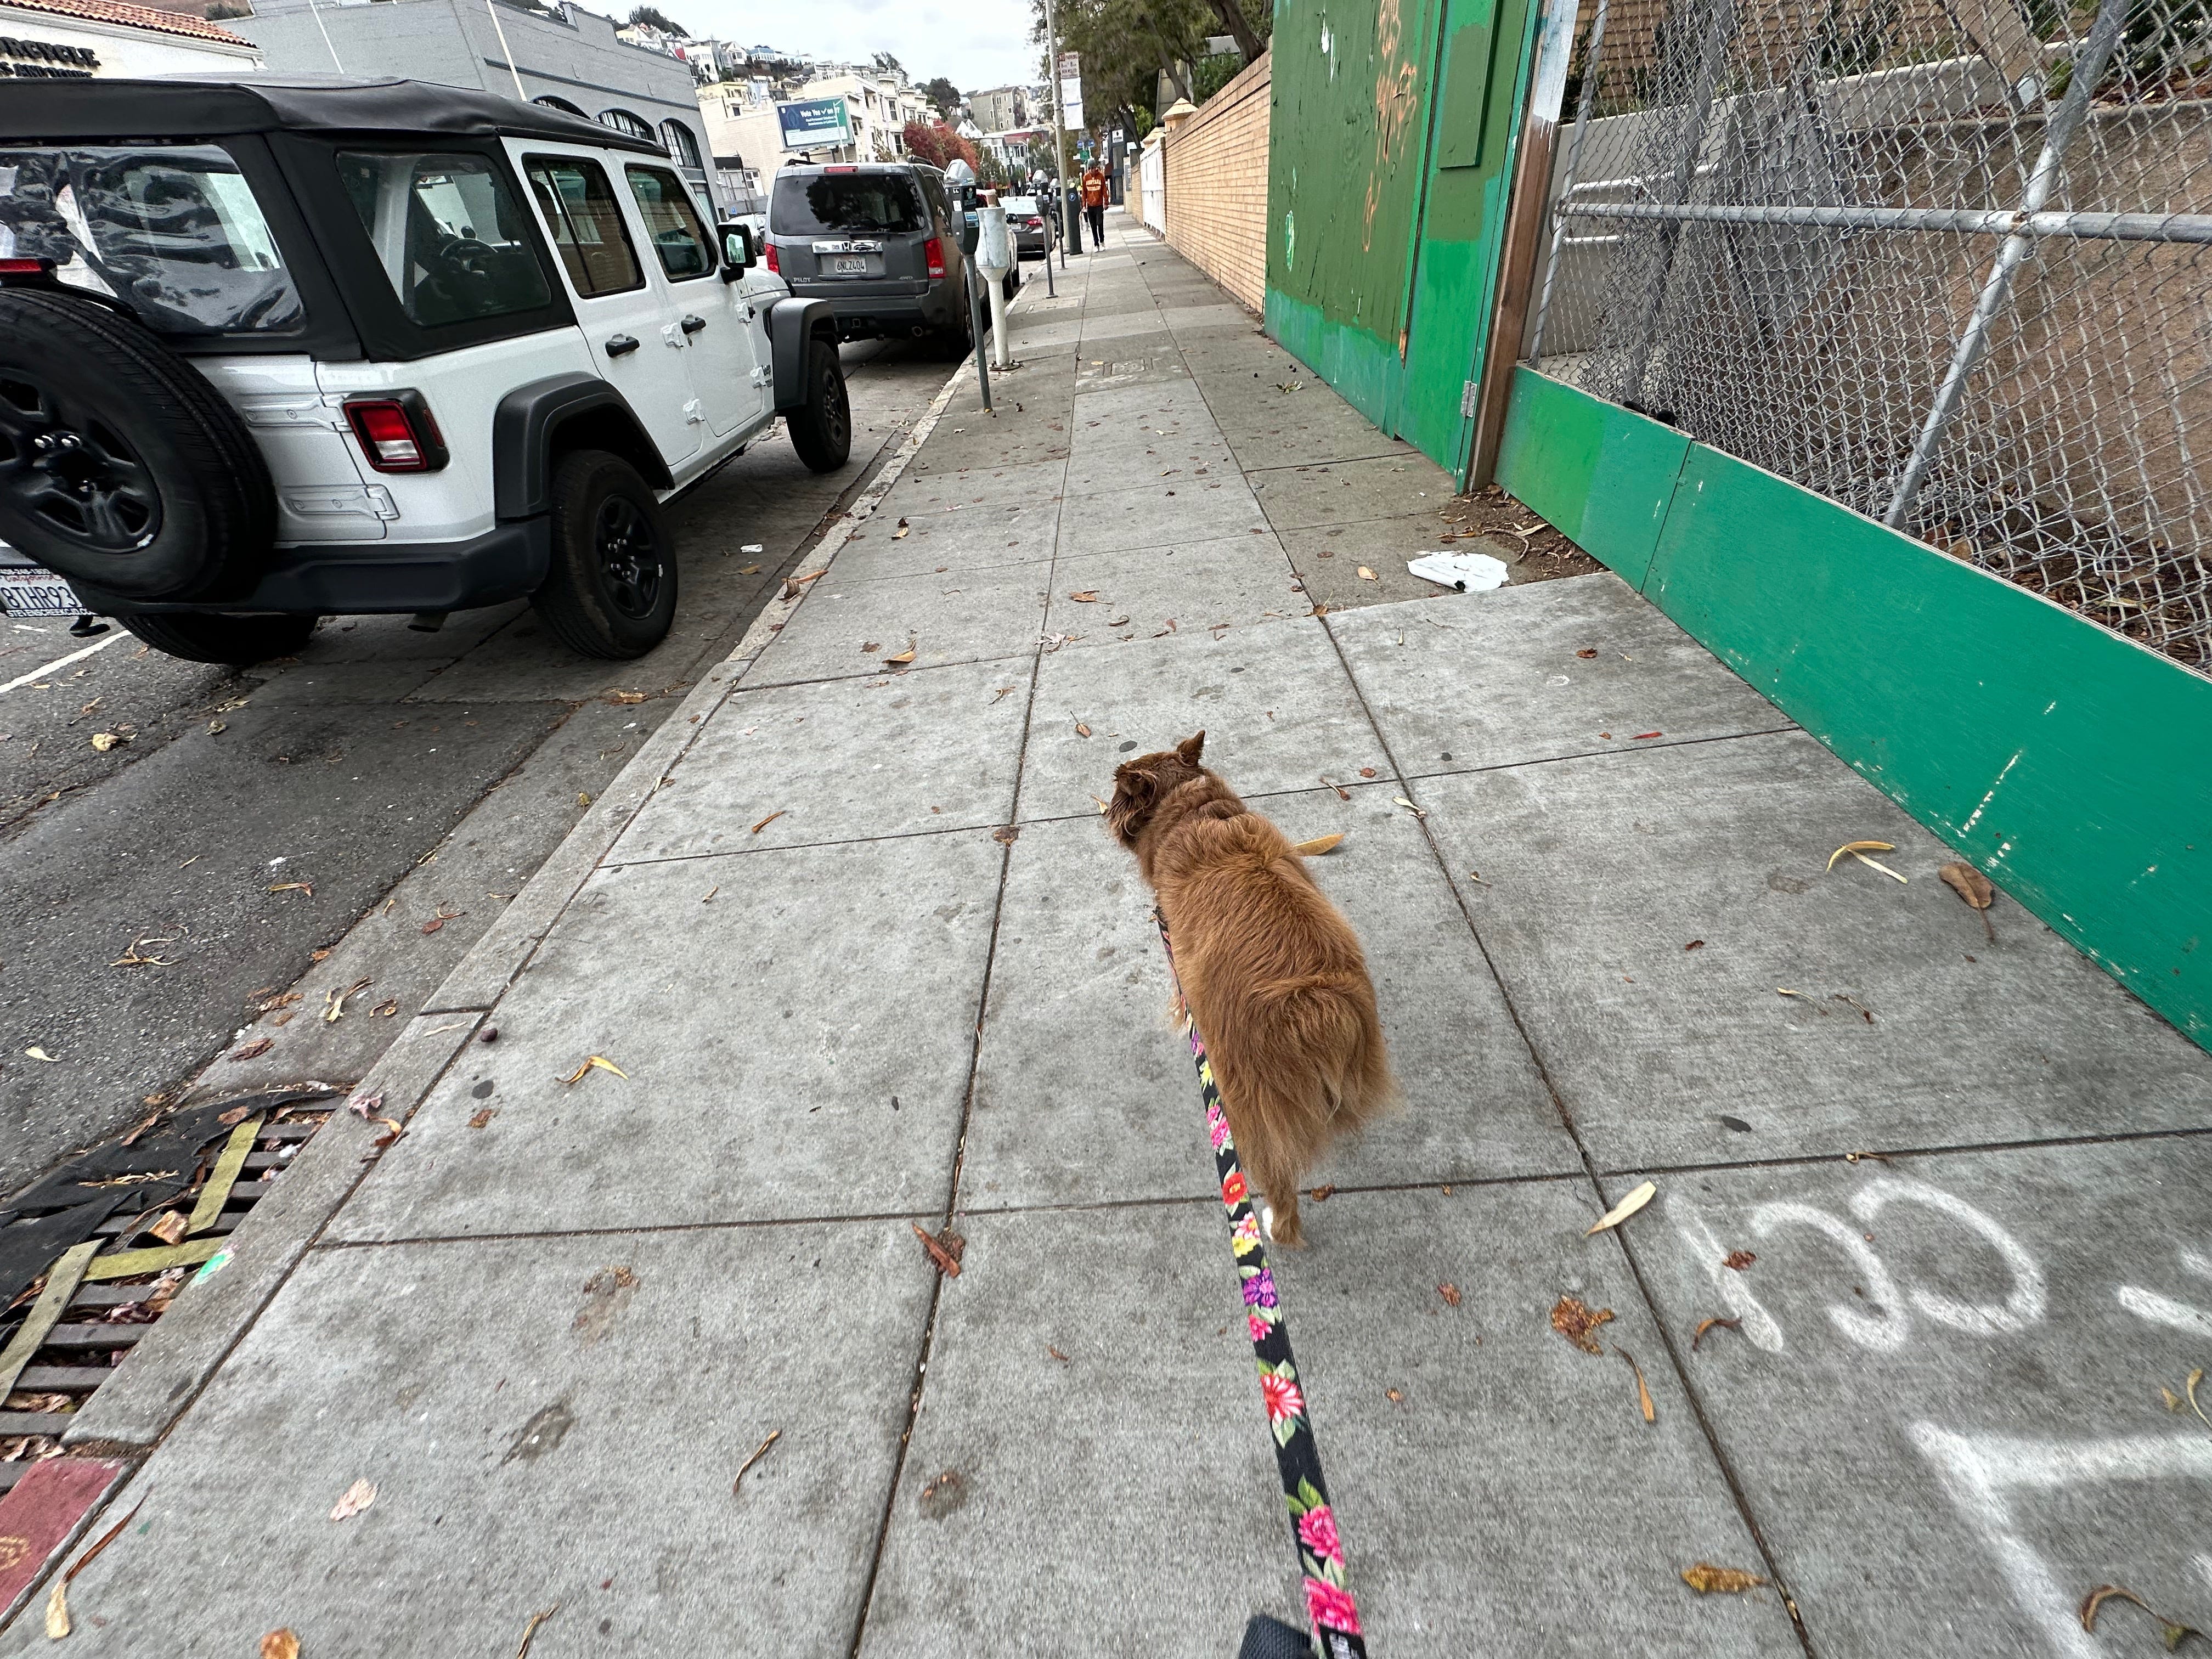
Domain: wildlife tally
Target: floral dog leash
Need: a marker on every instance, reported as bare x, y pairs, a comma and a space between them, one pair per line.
1329, 1605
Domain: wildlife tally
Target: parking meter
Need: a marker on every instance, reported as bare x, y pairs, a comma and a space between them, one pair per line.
995, 258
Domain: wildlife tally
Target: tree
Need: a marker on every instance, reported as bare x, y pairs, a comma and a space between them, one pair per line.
887, 64
943, 93
939, 145
653, 17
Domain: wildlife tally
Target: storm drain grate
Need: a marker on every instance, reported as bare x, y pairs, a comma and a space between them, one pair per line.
93, 1254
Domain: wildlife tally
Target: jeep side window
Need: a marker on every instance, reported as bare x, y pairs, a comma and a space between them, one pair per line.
678, 236
448, 234
586, 223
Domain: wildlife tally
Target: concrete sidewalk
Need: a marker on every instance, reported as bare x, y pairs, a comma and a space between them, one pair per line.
1965, 1185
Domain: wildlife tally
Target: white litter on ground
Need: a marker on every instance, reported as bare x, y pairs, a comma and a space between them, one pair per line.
1468, 573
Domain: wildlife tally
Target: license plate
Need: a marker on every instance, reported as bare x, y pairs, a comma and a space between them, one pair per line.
35, 593
849, 265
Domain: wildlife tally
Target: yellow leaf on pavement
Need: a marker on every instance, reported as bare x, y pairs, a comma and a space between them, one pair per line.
1628, 1207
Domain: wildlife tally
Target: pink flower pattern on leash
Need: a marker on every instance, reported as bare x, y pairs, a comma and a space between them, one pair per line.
1317, 1532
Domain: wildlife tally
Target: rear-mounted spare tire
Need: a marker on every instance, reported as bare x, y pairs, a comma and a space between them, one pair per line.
120, 467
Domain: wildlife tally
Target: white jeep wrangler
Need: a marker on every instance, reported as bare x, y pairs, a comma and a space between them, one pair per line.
275, 349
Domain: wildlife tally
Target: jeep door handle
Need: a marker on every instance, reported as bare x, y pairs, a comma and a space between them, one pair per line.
619, 345
693, 324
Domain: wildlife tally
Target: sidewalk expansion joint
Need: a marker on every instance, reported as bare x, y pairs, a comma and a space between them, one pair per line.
641, 1230
1900, 1154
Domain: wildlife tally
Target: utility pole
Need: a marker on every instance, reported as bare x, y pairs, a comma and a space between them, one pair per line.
1059, 128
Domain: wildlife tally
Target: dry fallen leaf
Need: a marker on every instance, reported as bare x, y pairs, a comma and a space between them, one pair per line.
1007, 834
1972, 885
770, 820
258, 1047
334, 1002
1088, 596
870, 647
482, 1118
530, 1629
1319, 845
57, 1619
1861, 847
627, 699
1738, 1260
1621, 1211
1449, 1291
602, 1062
169, 1228
1575, 1321
37, 1053
1705, 1325
1321, 1194
103, 741
357, 1497
1366, 771
280, 1644
759, 1452
905, 656
1081, 730
902, 531
1367, 575
2173, 1631
1642, 1389
294, 887
945, 1248
1707, 1579
1587, 651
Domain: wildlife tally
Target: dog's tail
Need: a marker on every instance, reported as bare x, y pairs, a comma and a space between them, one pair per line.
1329, 1021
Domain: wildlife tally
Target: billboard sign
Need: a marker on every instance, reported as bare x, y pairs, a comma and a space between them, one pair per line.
814, 123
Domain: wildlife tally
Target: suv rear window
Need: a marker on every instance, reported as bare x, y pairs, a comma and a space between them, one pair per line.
448, 234
809, 205
173, 232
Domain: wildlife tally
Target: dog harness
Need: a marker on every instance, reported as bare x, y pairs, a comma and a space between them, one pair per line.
1329, 1605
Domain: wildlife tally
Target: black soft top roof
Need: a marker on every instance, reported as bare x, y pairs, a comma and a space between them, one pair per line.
190, 106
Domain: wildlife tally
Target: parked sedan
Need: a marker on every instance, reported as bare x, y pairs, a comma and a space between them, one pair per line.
1026, 219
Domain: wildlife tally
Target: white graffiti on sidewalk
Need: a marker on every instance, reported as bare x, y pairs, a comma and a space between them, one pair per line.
1879, 1315
1986, 1476
2164, 1310
1983, 1472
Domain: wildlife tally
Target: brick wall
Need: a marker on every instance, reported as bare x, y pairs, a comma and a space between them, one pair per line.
1217, 186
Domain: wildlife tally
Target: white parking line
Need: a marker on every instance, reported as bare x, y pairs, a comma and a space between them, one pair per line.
62, 662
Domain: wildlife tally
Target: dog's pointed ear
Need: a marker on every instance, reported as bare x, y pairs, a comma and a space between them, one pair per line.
1188, 749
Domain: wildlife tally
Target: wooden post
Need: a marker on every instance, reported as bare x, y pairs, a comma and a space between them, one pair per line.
1524, 236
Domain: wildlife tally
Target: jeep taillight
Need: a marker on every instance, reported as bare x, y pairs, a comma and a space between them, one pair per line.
933, 251
398, 434
774, 269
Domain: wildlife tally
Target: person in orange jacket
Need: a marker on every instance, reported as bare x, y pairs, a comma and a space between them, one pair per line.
1094, 202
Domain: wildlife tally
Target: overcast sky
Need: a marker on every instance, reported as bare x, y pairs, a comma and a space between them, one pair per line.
975, 43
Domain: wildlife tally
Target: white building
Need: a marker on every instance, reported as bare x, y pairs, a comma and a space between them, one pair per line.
565, 57
45, 40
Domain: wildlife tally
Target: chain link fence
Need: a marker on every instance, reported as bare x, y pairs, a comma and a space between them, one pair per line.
1949, 262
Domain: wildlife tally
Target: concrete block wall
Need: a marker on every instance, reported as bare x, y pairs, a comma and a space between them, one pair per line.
1217, 185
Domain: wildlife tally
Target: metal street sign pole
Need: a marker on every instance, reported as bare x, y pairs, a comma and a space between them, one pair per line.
1059, 127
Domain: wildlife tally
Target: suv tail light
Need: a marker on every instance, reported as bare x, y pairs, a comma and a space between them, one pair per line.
934, 252
774, 269
841, 169
397, 433
26, 267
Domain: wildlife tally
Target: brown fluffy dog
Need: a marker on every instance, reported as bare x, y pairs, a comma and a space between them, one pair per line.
1271, 969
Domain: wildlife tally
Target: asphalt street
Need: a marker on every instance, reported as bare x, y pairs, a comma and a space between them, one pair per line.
182, 846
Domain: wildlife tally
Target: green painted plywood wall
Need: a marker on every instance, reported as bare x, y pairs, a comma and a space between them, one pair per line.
1387, 200
1347, 138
